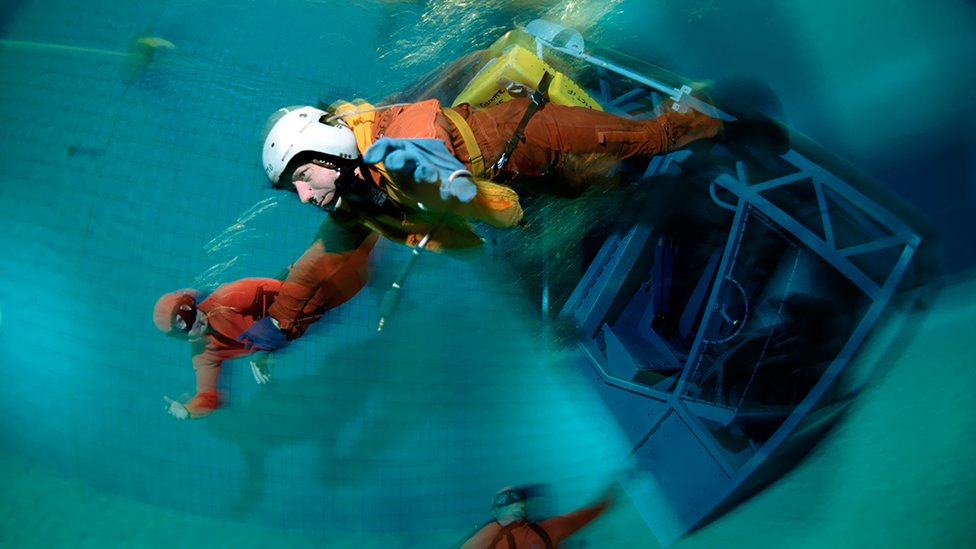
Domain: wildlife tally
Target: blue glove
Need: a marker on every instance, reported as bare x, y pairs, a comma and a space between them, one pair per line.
426, 161
263, 335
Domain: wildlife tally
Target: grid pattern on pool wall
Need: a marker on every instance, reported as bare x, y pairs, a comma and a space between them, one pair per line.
128, 177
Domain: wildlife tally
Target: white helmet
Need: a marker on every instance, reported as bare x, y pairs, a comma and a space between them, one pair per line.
294, 130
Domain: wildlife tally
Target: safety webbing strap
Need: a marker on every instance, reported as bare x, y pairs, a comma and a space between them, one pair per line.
263, 298
542, 534
474, 151
538, 99
505, 532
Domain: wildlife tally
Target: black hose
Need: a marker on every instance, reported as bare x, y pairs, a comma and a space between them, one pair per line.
391, 300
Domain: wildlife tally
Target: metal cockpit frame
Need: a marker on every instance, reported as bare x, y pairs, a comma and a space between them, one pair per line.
680, 473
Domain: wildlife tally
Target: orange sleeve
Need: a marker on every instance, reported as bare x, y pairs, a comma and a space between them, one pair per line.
334, 244
560, 528
344, 284
207, 368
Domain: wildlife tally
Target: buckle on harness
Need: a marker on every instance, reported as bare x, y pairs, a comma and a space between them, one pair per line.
539, 98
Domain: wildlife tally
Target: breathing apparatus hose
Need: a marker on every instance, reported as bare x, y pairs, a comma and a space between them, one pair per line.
391, 300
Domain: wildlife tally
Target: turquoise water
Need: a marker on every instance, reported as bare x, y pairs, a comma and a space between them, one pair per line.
122, 180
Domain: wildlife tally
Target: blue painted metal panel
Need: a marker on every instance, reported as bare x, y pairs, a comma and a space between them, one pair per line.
686, 477
683, 466
634, 412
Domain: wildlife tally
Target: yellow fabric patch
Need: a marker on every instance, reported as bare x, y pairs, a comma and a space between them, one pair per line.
495, 204
359, 116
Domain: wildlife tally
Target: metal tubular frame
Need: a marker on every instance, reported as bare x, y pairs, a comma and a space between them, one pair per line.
589, 304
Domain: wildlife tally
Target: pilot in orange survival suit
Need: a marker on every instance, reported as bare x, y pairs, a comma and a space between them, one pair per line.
411, 170
213, 326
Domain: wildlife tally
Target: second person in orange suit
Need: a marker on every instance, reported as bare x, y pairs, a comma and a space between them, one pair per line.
511, 530
213, 325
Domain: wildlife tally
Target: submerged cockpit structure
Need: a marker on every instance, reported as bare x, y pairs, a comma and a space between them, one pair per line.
723, 316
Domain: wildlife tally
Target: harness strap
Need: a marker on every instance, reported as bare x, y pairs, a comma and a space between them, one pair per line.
505, 532
474, 151
538, 100
542, 534
263, 299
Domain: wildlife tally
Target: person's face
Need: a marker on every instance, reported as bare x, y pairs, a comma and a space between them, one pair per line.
199, 323
316, 183
511, 513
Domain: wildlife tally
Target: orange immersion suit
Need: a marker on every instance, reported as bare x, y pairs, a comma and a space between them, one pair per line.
235, 306
524, 536
574, 144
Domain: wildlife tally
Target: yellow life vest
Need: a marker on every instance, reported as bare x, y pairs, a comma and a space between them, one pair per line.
494, 204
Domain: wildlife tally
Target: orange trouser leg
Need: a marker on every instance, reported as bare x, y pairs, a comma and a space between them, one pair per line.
559, 137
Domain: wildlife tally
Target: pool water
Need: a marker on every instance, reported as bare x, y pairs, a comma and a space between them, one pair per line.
128, 175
